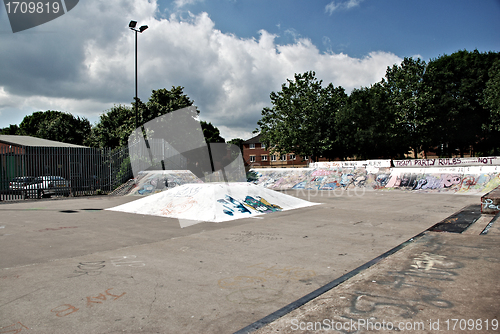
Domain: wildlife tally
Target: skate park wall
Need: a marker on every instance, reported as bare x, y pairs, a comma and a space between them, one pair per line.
155, 181
454, 175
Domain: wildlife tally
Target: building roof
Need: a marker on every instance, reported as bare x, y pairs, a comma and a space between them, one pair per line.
253, 140
33, 141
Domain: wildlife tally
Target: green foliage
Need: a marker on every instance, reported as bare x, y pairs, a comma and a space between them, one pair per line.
452, 104
457, 83
125, 171
491, 96
365, 126
491, 101
238, 142
211, 133
408, 102
13, 129
302, 117
163, 101
113, 128
55, 125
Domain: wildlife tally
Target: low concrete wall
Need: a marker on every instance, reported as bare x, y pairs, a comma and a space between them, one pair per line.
155, 181
470, 180
490, 203
448, 162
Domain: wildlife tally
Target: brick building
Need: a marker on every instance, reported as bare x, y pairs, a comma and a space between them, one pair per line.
255, 154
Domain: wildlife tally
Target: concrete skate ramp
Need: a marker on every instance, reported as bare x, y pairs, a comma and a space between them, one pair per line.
473, 180
213, 202
155, 181
460, 180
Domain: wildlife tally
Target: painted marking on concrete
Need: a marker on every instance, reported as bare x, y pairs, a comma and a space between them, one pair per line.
127, 260
487, 228
318, 292
488, 204
88, 268
102, 297
426, 261
67, 309
64, 310
13, 329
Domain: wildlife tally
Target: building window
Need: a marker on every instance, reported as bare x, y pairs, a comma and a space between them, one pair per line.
252, 158
305, 157
273, 157
252, 146
263, 146
292, 156
263, 157
283, 157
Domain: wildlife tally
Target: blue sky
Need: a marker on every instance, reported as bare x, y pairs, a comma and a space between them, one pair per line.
228, 54
406, 28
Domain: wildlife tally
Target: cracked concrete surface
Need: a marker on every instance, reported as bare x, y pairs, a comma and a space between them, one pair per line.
155, 277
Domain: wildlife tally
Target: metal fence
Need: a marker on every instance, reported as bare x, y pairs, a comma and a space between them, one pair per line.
34, 172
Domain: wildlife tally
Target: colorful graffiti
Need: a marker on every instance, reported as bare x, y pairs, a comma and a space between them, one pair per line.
481, 161
321, 179
152, 182
261, 205
471, 180
231, 205
258, 204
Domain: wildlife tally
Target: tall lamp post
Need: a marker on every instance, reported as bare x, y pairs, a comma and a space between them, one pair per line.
132, 26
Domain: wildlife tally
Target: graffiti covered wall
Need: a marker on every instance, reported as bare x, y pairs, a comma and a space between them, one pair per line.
461, 180
448, 162
321, 178
470, 180
152, 182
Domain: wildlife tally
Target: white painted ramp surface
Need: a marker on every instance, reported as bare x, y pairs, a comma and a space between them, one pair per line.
213, 202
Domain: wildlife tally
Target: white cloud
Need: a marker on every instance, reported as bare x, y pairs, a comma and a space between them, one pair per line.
182, 3
85, 69
334, 5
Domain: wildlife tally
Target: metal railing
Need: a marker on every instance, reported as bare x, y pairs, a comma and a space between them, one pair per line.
34, 172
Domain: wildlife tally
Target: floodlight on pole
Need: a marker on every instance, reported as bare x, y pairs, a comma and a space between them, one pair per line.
132, 26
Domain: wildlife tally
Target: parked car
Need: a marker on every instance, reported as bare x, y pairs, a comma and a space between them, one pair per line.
46, 186
20, 182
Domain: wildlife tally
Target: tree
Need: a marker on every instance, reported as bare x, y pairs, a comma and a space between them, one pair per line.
365, 125
113, 128
56, 125
238, 142
457, 83
12, 129
408, 99
302, 117
163, 101
491, 101
491, 96
211, 133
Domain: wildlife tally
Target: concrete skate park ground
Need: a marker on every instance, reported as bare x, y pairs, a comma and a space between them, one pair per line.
68, 266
